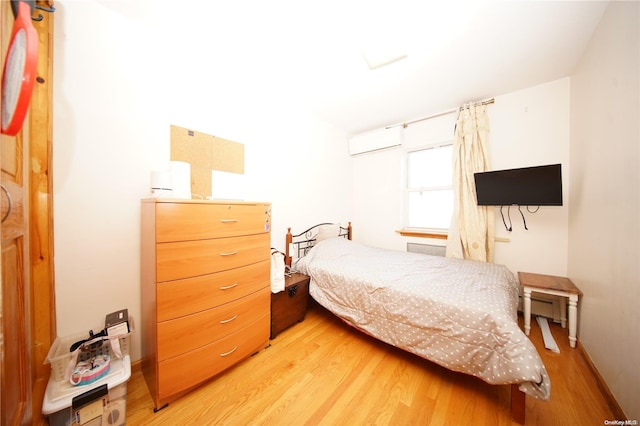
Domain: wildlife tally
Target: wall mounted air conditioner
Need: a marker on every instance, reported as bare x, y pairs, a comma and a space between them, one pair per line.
374, 140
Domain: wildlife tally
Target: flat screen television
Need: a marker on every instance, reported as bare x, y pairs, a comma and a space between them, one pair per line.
527, 186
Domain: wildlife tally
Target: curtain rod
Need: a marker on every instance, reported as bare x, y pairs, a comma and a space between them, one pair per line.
405, 125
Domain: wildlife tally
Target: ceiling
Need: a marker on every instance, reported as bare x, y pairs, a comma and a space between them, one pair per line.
453, 57
309, 54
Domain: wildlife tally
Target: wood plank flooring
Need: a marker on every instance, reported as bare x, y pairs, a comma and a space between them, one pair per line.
323, 372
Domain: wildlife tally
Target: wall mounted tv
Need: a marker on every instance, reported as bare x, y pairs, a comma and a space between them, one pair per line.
528, 186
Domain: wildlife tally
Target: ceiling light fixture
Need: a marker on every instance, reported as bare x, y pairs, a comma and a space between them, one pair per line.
380, 56
379, 62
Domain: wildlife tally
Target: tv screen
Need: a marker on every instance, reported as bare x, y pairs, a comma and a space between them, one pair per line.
528, 186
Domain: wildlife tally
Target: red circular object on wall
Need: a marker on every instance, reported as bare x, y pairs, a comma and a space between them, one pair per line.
19, 71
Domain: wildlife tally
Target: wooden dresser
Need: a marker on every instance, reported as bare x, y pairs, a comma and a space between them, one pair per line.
205, 290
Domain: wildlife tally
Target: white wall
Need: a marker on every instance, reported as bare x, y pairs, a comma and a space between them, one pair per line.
123, 75
528, 127
377, 185
531, 127
604, 231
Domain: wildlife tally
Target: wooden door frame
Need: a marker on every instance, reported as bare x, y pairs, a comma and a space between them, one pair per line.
40, 213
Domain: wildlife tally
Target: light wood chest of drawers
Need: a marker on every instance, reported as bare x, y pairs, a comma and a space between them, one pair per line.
205, 290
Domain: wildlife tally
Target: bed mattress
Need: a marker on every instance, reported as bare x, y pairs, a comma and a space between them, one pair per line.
460, 314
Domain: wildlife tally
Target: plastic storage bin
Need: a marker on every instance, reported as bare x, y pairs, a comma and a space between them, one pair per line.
59, 395
58, 398
59, 355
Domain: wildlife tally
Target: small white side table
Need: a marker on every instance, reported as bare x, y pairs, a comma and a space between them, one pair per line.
556, 286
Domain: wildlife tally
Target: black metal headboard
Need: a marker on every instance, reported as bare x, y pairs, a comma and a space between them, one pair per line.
301, 243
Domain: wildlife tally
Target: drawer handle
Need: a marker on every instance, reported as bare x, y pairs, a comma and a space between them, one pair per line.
227, 287
228, 253
230, 352
228, 220
228, 320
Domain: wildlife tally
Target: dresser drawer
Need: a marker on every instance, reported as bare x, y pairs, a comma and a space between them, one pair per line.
183, 372
186, 259
184, 297
185, 334
198, 221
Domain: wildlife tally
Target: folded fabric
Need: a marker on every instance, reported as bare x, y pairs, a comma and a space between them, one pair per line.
277, 271
89, 371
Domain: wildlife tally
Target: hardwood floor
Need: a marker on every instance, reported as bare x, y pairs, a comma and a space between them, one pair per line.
323, 372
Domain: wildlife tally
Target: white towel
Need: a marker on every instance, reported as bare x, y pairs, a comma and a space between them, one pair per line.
277, 271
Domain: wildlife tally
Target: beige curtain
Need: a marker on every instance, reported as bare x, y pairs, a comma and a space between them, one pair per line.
471, 235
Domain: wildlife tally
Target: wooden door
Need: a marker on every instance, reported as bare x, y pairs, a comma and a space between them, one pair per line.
15, 372
27, 313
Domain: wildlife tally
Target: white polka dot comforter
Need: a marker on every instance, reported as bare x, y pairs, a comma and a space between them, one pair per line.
460, 314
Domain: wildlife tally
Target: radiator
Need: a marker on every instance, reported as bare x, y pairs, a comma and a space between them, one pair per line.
545, 306
430, 249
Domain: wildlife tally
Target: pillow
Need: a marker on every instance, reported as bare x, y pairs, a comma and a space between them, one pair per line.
328, 231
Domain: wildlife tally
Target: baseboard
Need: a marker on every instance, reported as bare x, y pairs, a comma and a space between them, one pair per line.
602, 385
136, 367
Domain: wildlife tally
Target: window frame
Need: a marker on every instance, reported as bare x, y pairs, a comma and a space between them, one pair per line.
413, 230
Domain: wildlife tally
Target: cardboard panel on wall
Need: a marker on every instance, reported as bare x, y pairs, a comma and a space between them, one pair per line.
205, 153
227, 156
190, 146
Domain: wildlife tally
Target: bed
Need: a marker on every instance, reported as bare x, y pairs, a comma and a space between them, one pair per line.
460, 314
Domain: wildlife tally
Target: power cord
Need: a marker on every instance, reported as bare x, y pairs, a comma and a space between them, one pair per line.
523, 219
510, 227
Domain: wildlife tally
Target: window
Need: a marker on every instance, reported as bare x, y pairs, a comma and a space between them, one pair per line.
428, 197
